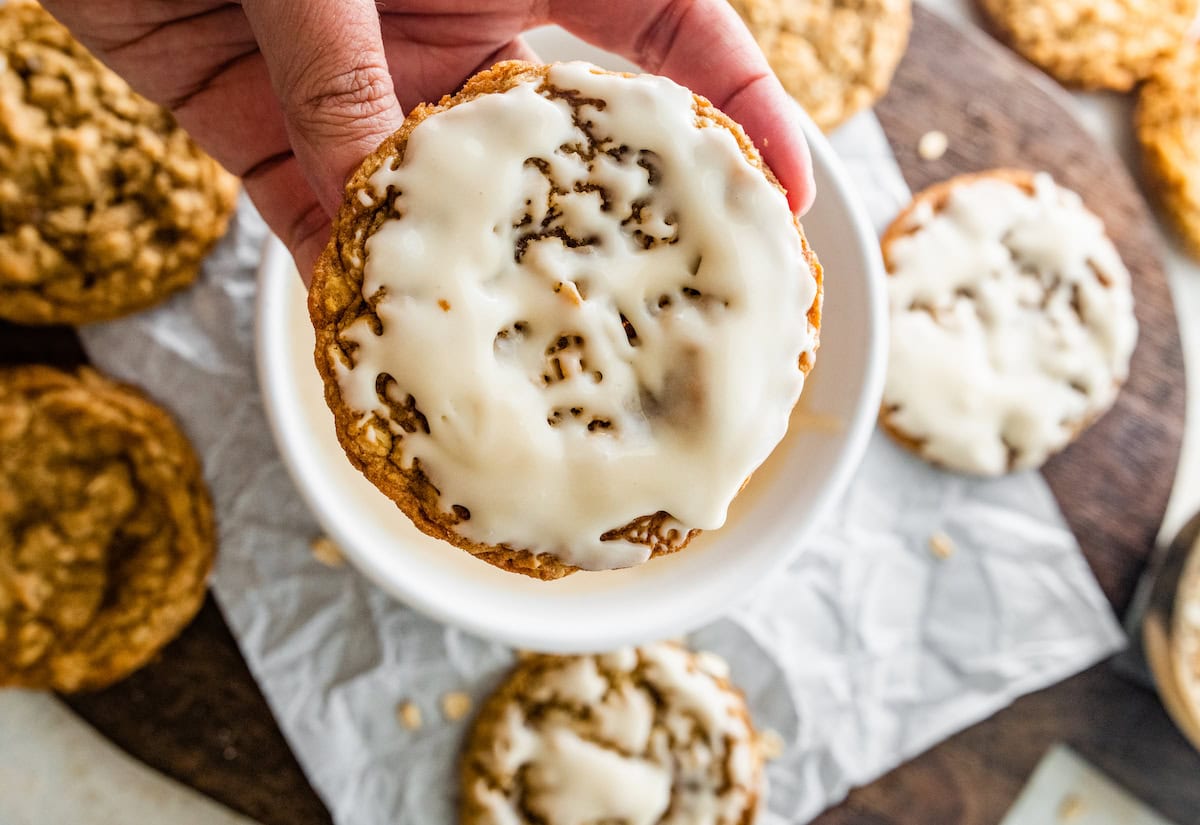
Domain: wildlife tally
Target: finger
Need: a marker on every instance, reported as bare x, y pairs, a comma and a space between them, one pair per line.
704, 45
431, 67
292, 211
329, 70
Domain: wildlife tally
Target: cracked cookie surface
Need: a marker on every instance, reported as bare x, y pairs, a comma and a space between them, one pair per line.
571, 219
1168, 129
1092, 44
835, 57
106, 205
106, 529
634, 737
1012, 322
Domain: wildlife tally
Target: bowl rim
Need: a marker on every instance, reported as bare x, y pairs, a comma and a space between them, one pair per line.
303, 466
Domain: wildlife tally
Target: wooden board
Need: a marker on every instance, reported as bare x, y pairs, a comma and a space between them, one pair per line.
196, 714
1112, 485
1114, 482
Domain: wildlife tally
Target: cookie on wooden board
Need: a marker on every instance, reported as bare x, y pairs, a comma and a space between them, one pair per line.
106, 205
648, 735
1168, 130
1092, 44
835, 57
106, 529
543, 315
1012, 322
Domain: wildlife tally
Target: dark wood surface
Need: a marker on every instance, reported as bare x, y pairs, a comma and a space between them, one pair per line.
196, 714
1112, 484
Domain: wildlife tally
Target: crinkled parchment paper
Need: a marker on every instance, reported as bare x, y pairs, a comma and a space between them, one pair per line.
867, 650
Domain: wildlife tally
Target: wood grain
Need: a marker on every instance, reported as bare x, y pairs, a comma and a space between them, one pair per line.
196, 714
1114, 482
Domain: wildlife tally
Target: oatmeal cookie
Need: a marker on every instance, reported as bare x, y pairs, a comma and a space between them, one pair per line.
836, 57
106, 529
106, 205
1168, 129
1012, 322
1092, 44
649, 735
538, 322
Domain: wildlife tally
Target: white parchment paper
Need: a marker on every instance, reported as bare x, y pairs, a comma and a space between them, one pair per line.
866, 651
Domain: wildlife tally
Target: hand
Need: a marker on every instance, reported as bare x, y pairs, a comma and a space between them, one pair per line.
291, 95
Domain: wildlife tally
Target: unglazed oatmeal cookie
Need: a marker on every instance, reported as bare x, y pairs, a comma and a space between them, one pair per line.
1186, 633
560, 333
106, 206
1092, 44
1168, 129
836, 57
634, 737
1012, 322
106, 530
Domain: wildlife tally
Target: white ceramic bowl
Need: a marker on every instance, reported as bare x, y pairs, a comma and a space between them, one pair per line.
768, 522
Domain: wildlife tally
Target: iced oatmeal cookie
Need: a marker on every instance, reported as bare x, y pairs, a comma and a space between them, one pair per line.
106, 530
649, 735
106, 205
1012, 322
560, 333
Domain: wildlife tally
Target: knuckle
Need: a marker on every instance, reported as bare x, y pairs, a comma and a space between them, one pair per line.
333, 96
661, 30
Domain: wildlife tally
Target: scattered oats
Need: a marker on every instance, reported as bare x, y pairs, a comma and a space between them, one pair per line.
229, 753
409, 715
455, 705
771, 744
327, 552
1071, 808
712, 664
1191, 610
941, 545
932, 145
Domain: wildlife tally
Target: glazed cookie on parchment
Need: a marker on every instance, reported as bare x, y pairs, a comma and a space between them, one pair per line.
649, 735
106, 205
1168, 129
106, 529
836, 57
1092, 44
1012, 322
558, 333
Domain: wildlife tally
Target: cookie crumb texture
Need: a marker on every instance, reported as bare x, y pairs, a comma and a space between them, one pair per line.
835, 57
633, 737
539, 323
106, 530
1092, 44
1012, 322
106, 205
1168, 129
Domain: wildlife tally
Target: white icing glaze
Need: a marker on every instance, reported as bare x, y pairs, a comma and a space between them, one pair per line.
988, 352
693, 406
686, 758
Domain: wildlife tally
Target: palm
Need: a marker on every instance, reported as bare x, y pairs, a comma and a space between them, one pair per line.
203, 60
